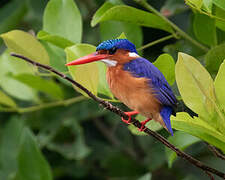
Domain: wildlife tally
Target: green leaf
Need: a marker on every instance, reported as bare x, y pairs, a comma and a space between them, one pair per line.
198, 128
6, 100
203, 25
196, 3
11, 14
57, 56
17, 89
25, 44
31, 163
130, 15
40, 84
153, 125
122, 36
106, 6
132, 31
63, 18
147, 176
9, 147
195, 85
220, 13
220, 84
108, 30
165, 63
181, 140
207, 5
219, 3
214, 58
12, 66
85, 74
103, 87
88, 74
54, 39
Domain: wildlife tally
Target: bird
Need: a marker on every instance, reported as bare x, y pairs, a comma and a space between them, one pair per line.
135, 81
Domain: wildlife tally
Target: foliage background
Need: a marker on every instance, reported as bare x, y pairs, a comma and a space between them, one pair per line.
49, 131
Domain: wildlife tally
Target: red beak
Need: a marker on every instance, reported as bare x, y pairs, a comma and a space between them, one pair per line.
89, 58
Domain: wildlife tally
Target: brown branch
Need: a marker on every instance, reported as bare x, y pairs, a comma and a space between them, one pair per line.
135, 122
215, 151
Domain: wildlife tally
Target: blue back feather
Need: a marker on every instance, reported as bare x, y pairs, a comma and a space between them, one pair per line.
117, 43
141, 67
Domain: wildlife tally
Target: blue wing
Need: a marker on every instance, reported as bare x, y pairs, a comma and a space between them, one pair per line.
141, 67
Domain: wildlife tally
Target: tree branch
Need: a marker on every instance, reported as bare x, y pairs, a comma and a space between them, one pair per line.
135, 122
215, 151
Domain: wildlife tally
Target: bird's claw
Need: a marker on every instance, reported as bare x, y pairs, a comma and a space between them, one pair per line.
142, 128
129, 114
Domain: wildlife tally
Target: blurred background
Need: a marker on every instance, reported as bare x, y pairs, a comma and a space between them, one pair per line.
75, 138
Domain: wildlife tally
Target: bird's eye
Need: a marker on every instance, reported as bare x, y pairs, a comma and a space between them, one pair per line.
112, 50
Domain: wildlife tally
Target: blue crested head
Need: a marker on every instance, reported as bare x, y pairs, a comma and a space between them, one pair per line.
118, 44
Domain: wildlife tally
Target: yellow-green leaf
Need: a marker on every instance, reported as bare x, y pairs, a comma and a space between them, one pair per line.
195, 85
12, 66
199, 128
122, 36
85, 74
25, 44
220, 84
6, 100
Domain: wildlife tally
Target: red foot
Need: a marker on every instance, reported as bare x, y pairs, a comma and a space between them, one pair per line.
129, 114
143, 124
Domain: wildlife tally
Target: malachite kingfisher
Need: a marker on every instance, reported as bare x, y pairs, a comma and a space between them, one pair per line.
134, 81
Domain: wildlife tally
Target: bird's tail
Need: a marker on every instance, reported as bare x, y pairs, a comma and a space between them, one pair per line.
165, 113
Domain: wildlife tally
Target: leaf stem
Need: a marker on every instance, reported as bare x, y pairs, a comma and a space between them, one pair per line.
156, 42
43, 106
204, 12
135, 122
179, 31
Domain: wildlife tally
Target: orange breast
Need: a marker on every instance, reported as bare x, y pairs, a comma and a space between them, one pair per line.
134, 92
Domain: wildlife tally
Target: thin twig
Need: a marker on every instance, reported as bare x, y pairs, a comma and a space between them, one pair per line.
135, 122
44, 106
156, 42
215, 151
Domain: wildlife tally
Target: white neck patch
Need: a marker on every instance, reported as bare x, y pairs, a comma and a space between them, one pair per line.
133, 54
109, 62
